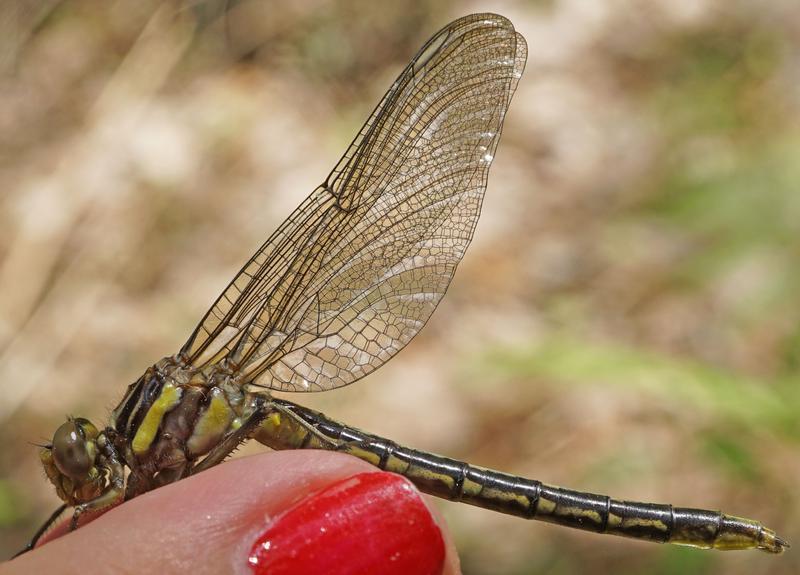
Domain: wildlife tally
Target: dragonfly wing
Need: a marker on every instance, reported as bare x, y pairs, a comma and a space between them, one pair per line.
358, 268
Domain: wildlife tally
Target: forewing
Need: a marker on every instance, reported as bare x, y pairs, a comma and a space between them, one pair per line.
358, 268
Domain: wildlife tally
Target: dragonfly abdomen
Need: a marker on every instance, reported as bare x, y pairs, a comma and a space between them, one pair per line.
295, 427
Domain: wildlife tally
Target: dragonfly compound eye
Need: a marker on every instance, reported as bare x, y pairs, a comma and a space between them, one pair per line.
74, 448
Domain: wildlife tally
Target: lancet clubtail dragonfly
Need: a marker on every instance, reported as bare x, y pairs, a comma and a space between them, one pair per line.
339, 288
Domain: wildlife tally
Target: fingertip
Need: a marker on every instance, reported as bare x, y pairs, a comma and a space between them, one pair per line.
363, 524
452, 565
159, 531
207, 523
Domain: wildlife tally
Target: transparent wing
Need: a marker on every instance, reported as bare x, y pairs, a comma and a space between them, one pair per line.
358, 268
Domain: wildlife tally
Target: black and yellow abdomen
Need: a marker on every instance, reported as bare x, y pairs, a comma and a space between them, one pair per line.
292, 426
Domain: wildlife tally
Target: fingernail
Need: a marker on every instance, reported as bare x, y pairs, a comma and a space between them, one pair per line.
365, 524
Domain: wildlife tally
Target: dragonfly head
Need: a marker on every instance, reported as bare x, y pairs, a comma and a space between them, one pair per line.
70, 461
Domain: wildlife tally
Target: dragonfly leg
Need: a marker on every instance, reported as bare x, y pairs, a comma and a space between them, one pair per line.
42, 530
283, 428
113, 495
229, 444
321, 441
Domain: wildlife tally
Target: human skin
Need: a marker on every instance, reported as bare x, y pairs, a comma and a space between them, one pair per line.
207, 523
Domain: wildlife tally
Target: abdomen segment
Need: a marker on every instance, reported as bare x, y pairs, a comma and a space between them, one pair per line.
291, 426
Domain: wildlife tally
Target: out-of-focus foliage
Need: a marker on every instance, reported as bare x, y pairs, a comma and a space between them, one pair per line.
626, 321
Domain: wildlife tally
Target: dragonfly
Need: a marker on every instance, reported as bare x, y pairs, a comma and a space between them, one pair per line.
345, 283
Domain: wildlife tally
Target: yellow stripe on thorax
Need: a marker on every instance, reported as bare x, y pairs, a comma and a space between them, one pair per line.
169, 397
211, 425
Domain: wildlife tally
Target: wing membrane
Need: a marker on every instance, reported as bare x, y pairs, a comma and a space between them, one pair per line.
358, 268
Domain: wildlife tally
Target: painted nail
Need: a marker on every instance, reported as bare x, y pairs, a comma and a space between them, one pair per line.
366, 524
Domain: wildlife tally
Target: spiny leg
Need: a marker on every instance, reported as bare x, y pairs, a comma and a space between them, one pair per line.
42, 530
112, 496
262, 417
283, 428
323, 441
229, 444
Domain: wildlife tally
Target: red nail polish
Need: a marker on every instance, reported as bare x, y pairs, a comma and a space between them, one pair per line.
366, 524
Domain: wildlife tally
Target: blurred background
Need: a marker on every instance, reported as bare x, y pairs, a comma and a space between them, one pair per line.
627, 320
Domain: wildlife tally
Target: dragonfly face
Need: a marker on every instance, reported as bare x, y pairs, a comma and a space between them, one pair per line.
70, 462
